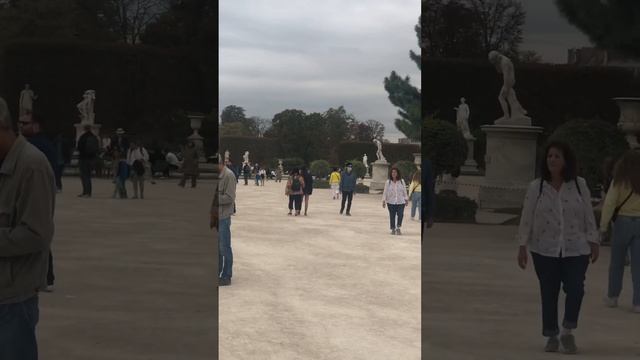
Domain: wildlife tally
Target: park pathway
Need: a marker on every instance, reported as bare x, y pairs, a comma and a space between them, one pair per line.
479, 305
319, 287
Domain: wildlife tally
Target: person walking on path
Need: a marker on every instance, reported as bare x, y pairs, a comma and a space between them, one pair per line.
61, 157
263, 176
295, 190
88, 150
27, 196
30, 127
190, 165
558, 227
395, 198
415, 194
221, 211
137, 158
622, 207
334, 182
246, 172
256, 170
121, 174
308, 188
278, 174
347, 188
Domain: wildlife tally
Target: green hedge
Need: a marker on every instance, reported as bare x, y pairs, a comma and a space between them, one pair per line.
444, 146
362, 189
455, 209
261, 150
392, 152
407, 168
140, 88
320, 168
551, 94
358, 168
321, 184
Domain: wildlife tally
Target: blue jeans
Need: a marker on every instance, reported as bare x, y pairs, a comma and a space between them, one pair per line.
395, 211
626, 236
416, 203
18, 330
86, 167
225, 255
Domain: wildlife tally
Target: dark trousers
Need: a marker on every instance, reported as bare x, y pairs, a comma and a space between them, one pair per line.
167, 170
18, 330
58, 173
347, 196
50, 275
395, 211
246, 180
295, 200
185, 177
552, 272
86, 167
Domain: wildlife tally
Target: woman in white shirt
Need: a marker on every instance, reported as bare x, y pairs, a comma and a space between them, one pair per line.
558, 227
137, 158
395, 198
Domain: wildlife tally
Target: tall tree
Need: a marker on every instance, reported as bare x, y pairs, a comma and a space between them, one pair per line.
407, 98
365, 131
131, 17
612, 25
232, 113
499, 23
449, 30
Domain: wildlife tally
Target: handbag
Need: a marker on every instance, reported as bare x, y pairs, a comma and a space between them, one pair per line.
617, 209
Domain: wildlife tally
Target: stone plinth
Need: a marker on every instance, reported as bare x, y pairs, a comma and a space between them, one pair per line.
196, 123
470, 166
510, 165
379, 175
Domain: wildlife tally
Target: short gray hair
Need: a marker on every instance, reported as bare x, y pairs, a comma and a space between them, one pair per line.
5, 115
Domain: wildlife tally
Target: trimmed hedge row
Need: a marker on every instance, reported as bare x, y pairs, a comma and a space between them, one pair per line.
392, 152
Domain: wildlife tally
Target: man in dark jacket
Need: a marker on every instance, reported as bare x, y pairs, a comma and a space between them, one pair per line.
347, 187
428, 193
88, 149
30, 126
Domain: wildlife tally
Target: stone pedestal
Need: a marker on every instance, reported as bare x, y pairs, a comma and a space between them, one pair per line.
629, 121
470, 166
379, 175
510, 165
196, 124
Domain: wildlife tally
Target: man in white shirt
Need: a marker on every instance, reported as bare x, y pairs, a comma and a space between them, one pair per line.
172, 163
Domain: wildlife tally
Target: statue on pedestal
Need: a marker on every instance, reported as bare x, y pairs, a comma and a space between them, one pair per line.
226, 156
246, 157
513, 111
27, 98
462, 119
85, 107
364, 161
379, 151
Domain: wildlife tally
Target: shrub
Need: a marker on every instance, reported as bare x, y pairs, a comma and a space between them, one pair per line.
292, 163
592, 141
444, 146
358, 168
453, 208
320, 168
407, 168
321, 184
362, 189
392, 152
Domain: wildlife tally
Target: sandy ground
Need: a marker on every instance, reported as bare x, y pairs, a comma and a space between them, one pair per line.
135, 278
479, 305
320, 287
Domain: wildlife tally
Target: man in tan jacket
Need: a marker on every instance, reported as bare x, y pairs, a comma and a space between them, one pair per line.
221, 211
27, 200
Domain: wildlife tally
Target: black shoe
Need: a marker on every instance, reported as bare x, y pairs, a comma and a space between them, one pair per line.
341, 211
348, 214
224, 282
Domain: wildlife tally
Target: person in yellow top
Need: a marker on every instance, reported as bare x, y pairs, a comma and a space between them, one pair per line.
622, 207
334, 181
415, 194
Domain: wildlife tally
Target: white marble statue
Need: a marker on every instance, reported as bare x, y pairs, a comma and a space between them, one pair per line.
226, 156
513, 111
462, 119
364, 161
27, 97
379, 151
246, 157
85, 107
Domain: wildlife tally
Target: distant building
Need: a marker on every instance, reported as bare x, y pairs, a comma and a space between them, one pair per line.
591, 56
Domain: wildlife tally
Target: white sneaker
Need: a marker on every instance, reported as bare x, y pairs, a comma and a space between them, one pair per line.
611, 302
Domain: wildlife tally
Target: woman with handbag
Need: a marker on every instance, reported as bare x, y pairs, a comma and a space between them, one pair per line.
558, 228
622, 210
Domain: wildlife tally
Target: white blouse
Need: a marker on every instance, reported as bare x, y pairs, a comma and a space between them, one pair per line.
395, 193
558, 223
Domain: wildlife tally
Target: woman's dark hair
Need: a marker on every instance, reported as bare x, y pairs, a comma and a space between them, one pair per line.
627, 171
295, 171
391, 172
570, 171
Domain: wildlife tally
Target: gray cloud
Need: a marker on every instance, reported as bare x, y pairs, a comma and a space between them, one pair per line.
549, 33
312, 55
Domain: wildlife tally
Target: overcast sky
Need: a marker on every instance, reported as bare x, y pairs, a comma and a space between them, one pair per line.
316, 54
547, 32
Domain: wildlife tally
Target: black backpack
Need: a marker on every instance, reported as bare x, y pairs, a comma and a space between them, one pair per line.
295, 184
138, 167
91, 145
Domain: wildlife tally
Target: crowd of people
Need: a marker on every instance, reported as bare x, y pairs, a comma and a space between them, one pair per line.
559, 232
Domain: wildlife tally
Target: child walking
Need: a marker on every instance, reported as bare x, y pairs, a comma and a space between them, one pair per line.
121, 174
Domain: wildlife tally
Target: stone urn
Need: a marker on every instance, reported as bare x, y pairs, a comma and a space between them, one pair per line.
629, 121
196, 123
